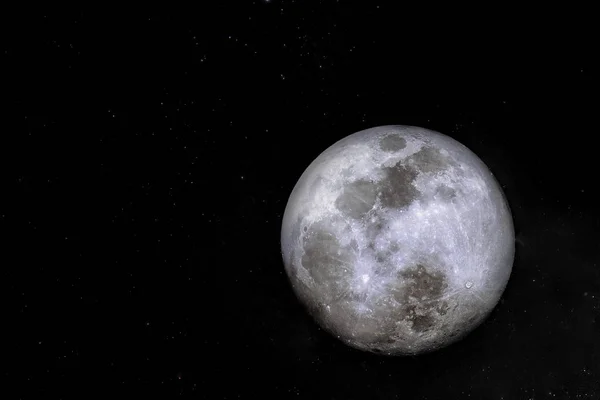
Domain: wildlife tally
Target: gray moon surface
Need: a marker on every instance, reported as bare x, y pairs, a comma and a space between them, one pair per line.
398, 240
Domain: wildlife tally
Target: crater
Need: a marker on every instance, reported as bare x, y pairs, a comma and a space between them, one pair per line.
392, 143
357, 198
397, 190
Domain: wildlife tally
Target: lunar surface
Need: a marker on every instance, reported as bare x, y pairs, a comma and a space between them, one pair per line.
398, 240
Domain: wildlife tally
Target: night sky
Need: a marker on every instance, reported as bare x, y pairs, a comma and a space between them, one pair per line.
149, 155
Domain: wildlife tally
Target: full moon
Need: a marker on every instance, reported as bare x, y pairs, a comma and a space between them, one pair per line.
398, 240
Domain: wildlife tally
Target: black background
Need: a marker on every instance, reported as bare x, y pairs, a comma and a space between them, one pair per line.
149, 155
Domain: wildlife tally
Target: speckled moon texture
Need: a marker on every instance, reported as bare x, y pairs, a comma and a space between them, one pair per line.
398, 240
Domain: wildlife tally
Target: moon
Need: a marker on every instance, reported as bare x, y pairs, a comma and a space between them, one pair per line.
398, 240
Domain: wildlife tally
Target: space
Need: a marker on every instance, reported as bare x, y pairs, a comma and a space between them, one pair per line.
149, 155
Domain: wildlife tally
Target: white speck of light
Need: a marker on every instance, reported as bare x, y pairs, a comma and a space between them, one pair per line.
365, 278
469, 284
